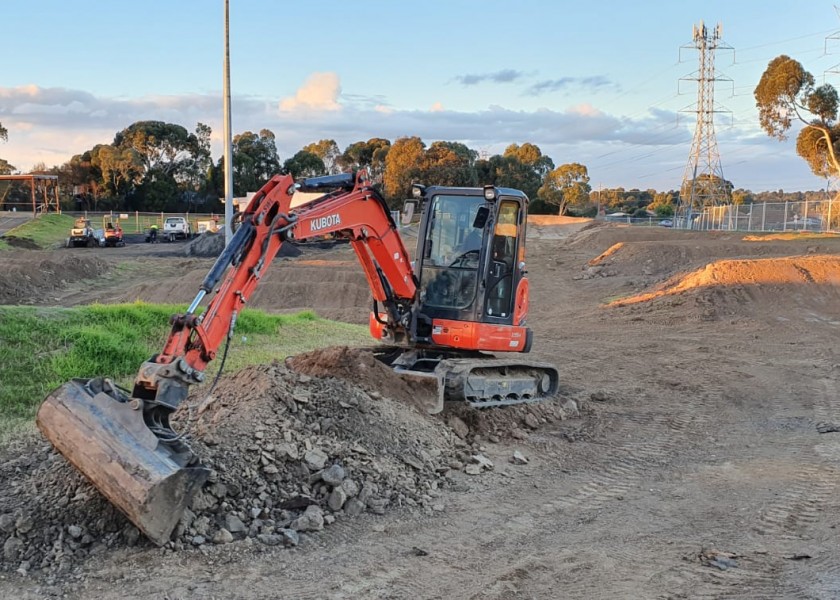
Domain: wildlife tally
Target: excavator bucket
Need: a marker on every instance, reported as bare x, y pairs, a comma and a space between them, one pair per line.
108, 441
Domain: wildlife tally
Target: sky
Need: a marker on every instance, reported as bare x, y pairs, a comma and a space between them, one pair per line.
610, 84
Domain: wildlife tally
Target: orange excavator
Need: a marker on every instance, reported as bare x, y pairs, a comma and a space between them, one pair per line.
439, 318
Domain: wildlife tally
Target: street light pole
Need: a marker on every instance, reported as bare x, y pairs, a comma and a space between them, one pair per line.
227, 141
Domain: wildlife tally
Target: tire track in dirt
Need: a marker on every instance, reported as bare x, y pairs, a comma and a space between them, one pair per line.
788, 518
657, 438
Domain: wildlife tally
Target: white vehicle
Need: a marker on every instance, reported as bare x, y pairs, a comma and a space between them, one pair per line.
176, 228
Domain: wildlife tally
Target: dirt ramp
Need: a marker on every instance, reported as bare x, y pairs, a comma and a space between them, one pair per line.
800, 285
598, 236
28, 278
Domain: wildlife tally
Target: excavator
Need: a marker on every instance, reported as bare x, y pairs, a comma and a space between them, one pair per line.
439, 318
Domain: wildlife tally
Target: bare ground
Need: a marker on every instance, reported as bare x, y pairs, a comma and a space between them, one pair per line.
697, 470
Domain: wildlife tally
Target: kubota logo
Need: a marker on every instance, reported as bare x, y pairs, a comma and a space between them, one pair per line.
324, 222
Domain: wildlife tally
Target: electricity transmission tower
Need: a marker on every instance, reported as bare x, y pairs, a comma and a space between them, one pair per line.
703, 183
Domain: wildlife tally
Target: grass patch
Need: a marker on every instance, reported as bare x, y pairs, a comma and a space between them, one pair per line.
42, 348
45, 231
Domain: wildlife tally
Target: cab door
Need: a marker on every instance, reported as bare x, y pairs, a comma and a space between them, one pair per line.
502, 276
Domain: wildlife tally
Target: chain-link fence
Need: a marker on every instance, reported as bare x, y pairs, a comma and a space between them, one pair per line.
822, 215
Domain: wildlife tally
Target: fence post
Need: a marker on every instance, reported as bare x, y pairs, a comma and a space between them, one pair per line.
828, 222
764, 216
784, 223
805, 217
749, 219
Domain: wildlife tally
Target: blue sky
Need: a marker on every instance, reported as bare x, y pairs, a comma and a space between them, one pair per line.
591, 82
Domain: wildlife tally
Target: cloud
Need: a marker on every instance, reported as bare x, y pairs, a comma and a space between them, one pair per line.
52, 124
320, 92
593, 83
503, 76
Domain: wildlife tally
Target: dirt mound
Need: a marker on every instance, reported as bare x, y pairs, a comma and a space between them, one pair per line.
24, 243
290, 454
598, 236
211, 244
656, 261
27, 278
805, 285
359, 366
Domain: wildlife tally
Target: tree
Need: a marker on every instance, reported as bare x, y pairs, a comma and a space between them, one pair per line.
403, 166
370, 154
158, 192
531, 155
304, 164
521, 167
163, 147
742, 197
449, 163
121, 168
786, 92
663, 204
6, 168
254, 159
566, 185
203, 162
328, 152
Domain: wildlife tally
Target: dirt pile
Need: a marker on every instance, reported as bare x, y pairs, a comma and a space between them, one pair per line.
761, 273
289, 455
361, 368
211, 244
29, 281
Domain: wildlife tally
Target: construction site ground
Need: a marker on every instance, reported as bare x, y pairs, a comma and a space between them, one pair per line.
694, 451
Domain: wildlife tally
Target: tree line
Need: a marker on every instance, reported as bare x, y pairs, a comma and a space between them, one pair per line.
158, 166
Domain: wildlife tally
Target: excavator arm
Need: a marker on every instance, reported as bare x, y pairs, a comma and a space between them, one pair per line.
352, 209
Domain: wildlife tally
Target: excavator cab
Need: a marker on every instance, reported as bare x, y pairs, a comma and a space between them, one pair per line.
471, 260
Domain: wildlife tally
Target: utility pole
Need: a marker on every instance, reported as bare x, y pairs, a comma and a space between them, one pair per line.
227, 135
703, 183
598, 212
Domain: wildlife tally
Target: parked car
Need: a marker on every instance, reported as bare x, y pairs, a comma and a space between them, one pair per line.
666, 223
176, 228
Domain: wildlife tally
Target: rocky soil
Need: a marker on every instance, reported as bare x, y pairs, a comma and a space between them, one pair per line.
290, 454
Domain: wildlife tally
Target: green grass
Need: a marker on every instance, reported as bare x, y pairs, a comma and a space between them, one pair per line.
45, 231
41, 348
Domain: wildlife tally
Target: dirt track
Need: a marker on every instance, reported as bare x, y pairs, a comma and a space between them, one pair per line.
696, 471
